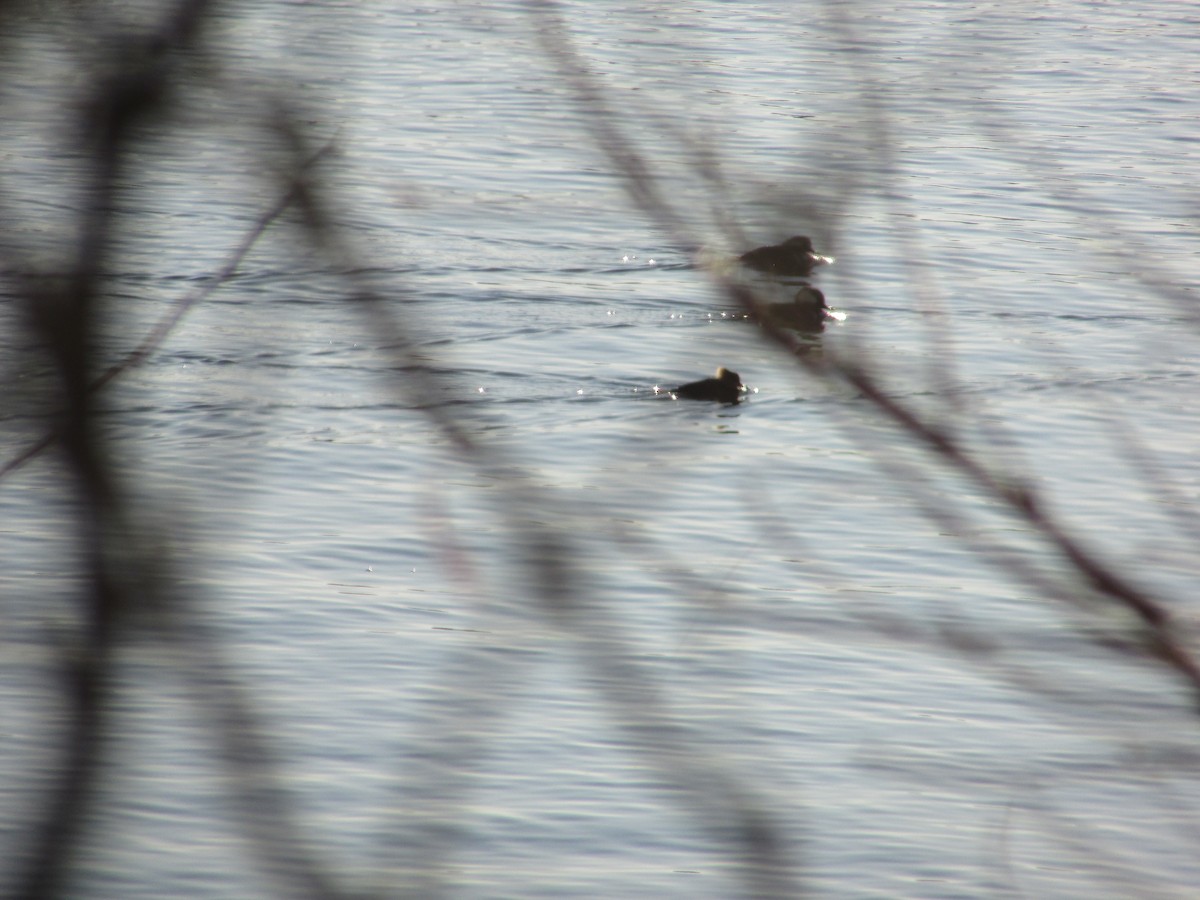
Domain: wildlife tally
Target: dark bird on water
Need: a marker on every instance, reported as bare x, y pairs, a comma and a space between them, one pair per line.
726, 387
794, 257
807, 311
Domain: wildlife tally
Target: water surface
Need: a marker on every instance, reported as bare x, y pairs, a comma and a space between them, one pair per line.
758, 600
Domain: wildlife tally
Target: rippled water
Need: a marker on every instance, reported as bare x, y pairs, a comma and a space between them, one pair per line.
1005, 188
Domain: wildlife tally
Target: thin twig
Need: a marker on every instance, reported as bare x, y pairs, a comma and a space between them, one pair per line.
159, 333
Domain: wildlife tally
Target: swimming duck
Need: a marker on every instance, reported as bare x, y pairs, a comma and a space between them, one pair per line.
807, 311
793, 257
726, 387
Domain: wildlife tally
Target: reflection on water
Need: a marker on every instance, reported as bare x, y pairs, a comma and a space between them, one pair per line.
589, 642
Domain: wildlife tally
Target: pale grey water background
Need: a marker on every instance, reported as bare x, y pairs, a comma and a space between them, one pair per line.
782, 591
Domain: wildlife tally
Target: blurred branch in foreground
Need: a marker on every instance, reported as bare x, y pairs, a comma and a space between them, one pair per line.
732, 813
130, 591
1159, 636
